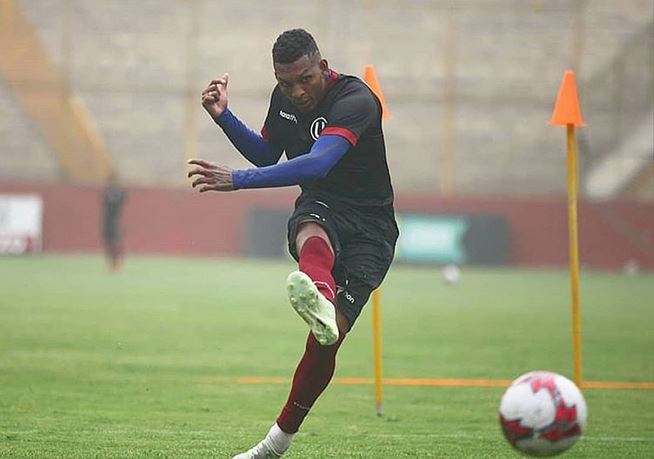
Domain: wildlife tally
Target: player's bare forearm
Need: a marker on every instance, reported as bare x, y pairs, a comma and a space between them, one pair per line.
210, 176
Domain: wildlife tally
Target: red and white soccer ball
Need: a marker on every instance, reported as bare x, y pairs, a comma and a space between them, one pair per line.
542, 413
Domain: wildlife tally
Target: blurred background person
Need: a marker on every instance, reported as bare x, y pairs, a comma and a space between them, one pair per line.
113, 199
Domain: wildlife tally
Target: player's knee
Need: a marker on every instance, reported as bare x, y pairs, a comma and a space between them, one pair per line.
310, 229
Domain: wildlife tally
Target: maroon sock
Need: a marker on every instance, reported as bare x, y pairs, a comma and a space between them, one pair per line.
316, 368
313, 374
317, 261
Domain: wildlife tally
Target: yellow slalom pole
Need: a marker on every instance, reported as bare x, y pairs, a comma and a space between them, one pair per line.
377, 352
567, 113
574, 251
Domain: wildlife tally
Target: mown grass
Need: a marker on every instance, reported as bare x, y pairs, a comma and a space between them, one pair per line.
143, 363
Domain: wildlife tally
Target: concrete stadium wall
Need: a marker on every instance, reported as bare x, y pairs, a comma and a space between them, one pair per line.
181, 222
477, 77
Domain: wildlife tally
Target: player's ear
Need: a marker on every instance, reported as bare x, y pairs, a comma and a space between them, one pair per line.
324, 67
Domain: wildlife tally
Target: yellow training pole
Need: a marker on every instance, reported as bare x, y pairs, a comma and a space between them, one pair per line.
574, 251
377, 352
370, 77
567, 113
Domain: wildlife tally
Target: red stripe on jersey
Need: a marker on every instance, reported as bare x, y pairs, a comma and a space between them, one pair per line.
342, 132
331, 79
264, 133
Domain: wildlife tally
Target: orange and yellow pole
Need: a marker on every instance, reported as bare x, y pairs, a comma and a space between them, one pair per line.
370, 77
567, 113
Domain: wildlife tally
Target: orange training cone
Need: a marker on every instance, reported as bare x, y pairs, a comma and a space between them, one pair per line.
370, 78
566, 109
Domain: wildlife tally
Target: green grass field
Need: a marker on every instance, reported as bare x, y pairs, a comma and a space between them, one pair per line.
144, 363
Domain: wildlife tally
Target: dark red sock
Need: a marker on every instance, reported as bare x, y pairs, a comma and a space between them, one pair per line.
313, 374
316, 368
317, 261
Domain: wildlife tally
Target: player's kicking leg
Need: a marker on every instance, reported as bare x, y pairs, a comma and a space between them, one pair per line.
311, 291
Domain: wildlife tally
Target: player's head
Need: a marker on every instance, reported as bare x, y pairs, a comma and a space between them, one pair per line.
299, 69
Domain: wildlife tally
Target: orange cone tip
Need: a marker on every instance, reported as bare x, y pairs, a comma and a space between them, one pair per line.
566, 108
370, 78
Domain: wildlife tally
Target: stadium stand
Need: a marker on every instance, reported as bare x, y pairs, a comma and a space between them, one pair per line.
482, 74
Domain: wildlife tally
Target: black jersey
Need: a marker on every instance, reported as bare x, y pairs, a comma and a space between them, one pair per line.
112, 204
348, 109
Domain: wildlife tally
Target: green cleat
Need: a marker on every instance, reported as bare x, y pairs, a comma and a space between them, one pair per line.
316, 310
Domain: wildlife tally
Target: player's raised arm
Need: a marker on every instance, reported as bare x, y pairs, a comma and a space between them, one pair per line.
314, 165
210, 177
250, 144
214, 97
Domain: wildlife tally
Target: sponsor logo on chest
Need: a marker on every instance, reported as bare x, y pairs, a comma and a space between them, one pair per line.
288, 116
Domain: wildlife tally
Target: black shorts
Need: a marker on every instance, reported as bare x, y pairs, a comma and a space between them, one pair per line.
363, 239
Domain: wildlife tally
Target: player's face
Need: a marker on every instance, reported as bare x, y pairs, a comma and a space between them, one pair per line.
304, 81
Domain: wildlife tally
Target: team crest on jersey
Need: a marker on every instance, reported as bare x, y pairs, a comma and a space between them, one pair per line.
317, 126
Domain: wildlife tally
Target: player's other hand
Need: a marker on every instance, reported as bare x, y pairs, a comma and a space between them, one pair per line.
210, 177
214, 97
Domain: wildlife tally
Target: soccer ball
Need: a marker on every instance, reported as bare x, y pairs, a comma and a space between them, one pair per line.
542, 413
451, 274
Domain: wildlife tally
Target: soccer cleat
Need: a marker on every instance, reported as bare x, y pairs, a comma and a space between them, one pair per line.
316, 310
261, 451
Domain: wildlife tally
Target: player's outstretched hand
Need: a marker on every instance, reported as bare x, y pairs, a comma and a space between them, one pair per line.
214, 97
211, 177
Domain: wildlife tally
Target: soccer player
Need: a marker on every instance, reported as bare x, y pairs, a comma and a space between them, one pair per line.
343, 230
113, 198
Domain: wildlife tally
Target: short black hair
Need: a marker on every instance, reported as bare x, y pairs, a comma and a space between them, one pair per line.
292, 45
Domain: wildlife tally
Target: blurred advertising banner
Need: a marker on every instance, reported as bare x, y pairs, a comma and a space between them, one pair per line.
265, 233
453, 239
478, 239
21, 218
